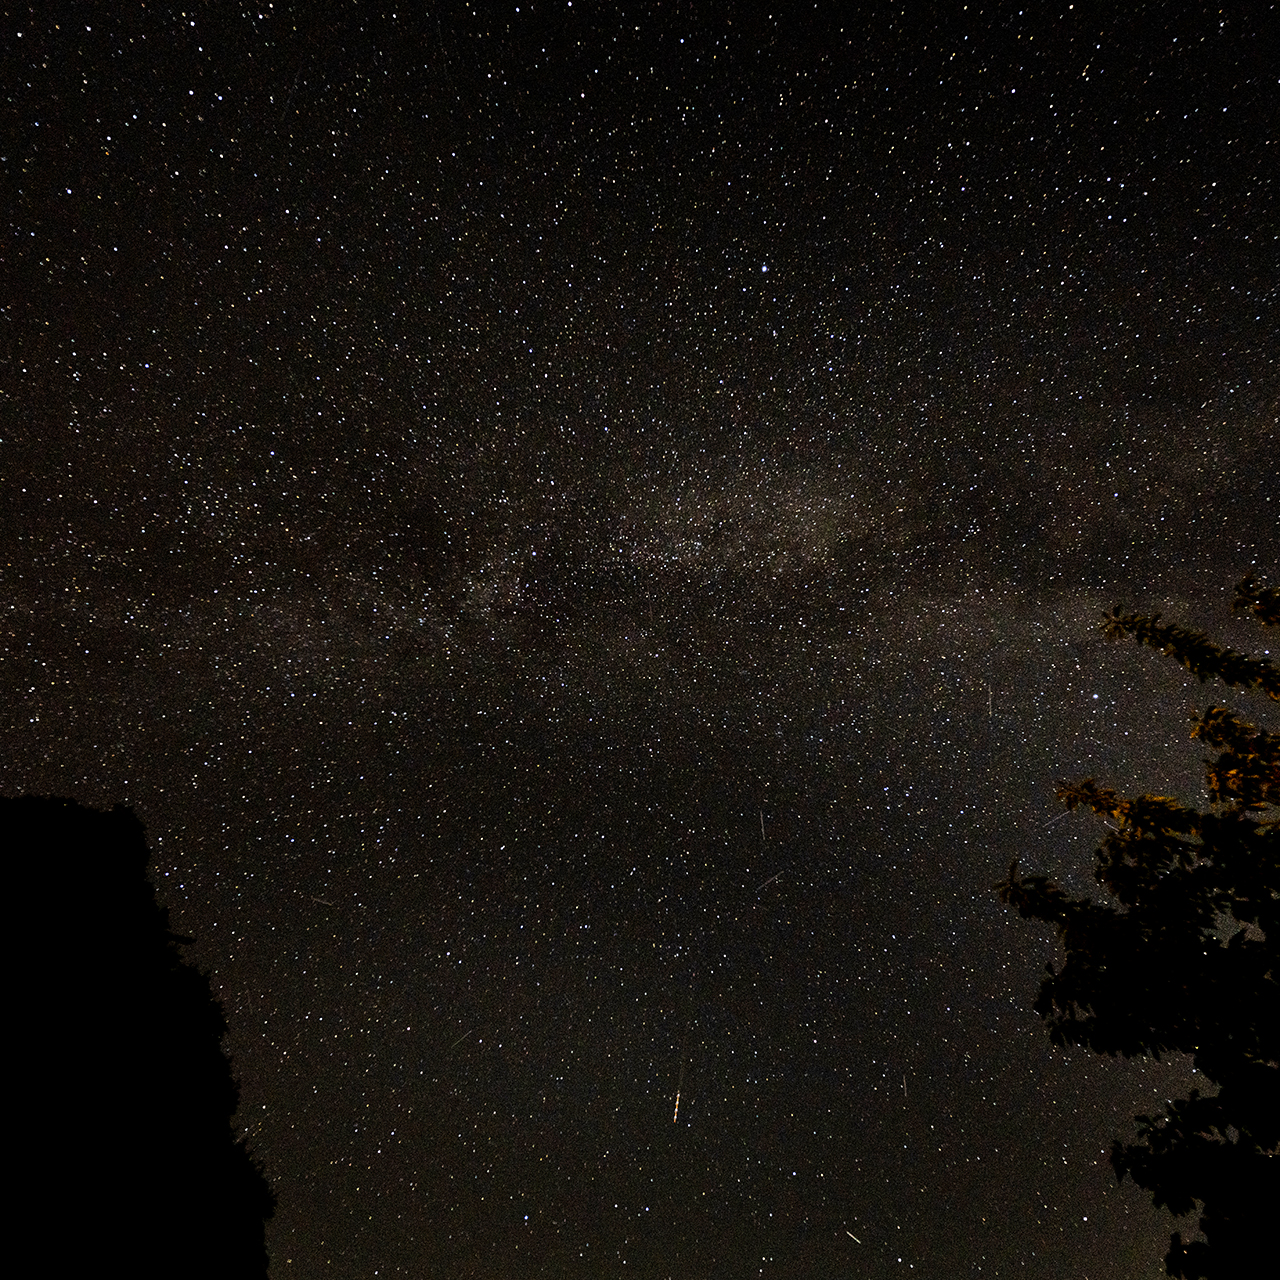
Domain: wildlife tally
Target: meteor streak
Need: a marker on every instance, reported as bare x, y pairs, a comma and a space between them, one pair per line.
680, 1083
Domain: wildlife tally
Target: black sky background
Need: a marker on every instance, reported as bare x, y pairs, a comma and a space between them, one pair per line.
580, 530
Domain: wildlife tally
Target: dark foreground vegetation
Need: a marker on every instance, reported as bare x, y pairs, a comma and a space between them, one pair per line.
121, 1104
1183, 959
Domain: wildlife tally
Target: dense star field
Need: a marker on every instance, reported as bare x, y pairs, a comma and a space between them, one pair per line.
580, 529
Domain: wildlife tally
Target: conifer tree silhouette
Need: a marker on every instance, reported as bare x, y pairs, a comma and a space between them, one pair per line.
1185, 961
122, 1099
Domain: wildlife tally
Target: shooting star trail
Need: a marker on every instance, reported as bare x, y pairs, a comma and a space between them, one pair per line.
852, 1236
675, 1115
461, 1038
768, 882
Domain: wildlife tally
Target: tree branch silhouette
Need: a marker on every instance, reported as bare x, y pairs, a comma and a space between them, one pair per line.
1183, 959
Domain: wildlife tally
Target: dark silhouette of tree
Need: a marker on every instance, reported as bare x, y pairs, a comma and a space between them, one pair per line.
1184, 959
121, 1099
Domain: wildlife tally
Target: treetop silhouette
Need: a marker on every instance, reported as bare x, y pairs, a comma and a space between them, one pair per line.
122, 1100
1184, 958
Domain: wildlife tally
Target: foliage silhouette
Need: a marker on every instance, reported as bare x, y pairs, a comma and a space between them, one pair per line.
123, 1098
1186, 962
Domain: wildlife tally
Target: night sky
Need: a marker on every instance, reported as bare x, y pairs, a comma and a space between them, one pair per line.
580, 529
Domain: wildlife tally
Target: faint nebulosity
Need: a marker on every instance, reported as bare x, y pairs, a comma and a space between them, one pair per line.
580, 530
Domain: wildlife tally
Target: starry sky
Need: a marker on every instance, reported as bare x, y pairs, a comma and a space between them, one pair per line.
581, 529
